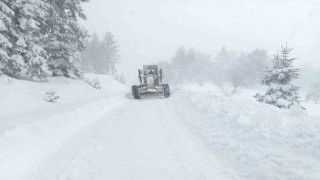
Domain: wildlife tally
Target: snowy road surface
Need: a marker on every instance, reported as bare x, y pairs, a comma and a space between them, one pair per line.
198, 133
113, 138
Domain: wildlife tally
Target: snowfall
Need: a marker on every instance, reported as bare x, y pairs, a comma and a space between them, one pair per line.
197, 133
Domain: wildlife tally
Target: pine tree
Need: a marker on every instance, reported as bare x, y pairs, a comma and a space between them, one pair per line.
97, 56
188, 65
22, 20
110, 50
92, 55
280, 92
30, 18
35, 33
65, 37
6, 15
251, 66
178, 63
256, 64
225, 66
85, 62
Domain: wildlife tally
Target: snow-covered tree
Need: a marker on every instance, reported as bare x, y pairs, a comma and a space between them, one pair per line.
101, 56
92, 55
6, 15
22, 22
281, 92
226, 66
198, 66
30, 20
38, 33
225, 56
110, 51
168, 71
178, 63
251, 66
65, 37
85, 63
189, 65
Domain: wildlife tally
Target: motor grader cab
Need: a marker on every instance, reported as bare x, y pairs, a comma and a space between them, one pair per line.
150, 78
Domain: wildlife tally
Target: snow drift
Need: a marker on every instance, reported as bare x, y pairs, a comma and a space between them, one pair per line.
23, 101
258, 140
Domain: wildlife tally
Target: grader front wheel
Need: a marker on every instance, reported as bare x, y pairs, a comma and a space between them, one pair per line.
166, 90
135, 92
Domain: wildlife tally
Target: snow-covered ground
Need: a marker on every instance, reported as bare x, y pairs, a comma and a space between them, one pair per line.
257, 140
96, 134
24, 100
198, 133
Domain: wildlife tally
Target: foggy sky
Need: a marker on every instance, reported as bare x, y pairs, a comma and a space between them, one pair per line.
151, 30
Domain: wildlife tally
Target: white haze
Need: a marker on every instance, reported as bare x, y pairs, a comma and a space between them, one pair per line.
151, 30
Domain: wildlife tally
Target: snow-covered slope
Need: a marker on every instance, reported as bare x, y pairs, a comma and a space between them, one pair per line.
257, 140
23, 101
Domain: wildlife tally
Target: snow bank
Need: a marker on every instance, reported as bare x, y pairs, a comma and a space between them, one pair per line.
258, 140
32, 129
23, 101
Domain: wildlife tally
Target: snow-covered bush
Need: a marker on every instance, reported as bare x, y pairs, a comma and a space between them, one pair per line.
120, 78
280, 92
5, 79
51, 96
95, 83
232, 88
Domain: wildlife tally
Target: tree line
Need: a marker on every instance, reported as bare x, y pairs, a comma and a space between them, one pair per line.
41, 38
101, 55
228, 66
242, 69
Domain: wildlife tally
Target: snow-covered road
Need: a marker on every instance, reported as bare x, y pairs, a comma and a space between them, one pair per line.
197, 133
115, 138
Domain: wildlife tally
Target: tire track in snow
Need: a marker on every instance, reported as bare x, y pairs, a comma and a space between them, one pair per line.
138, 140
34, 142
78, 149
192, 155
